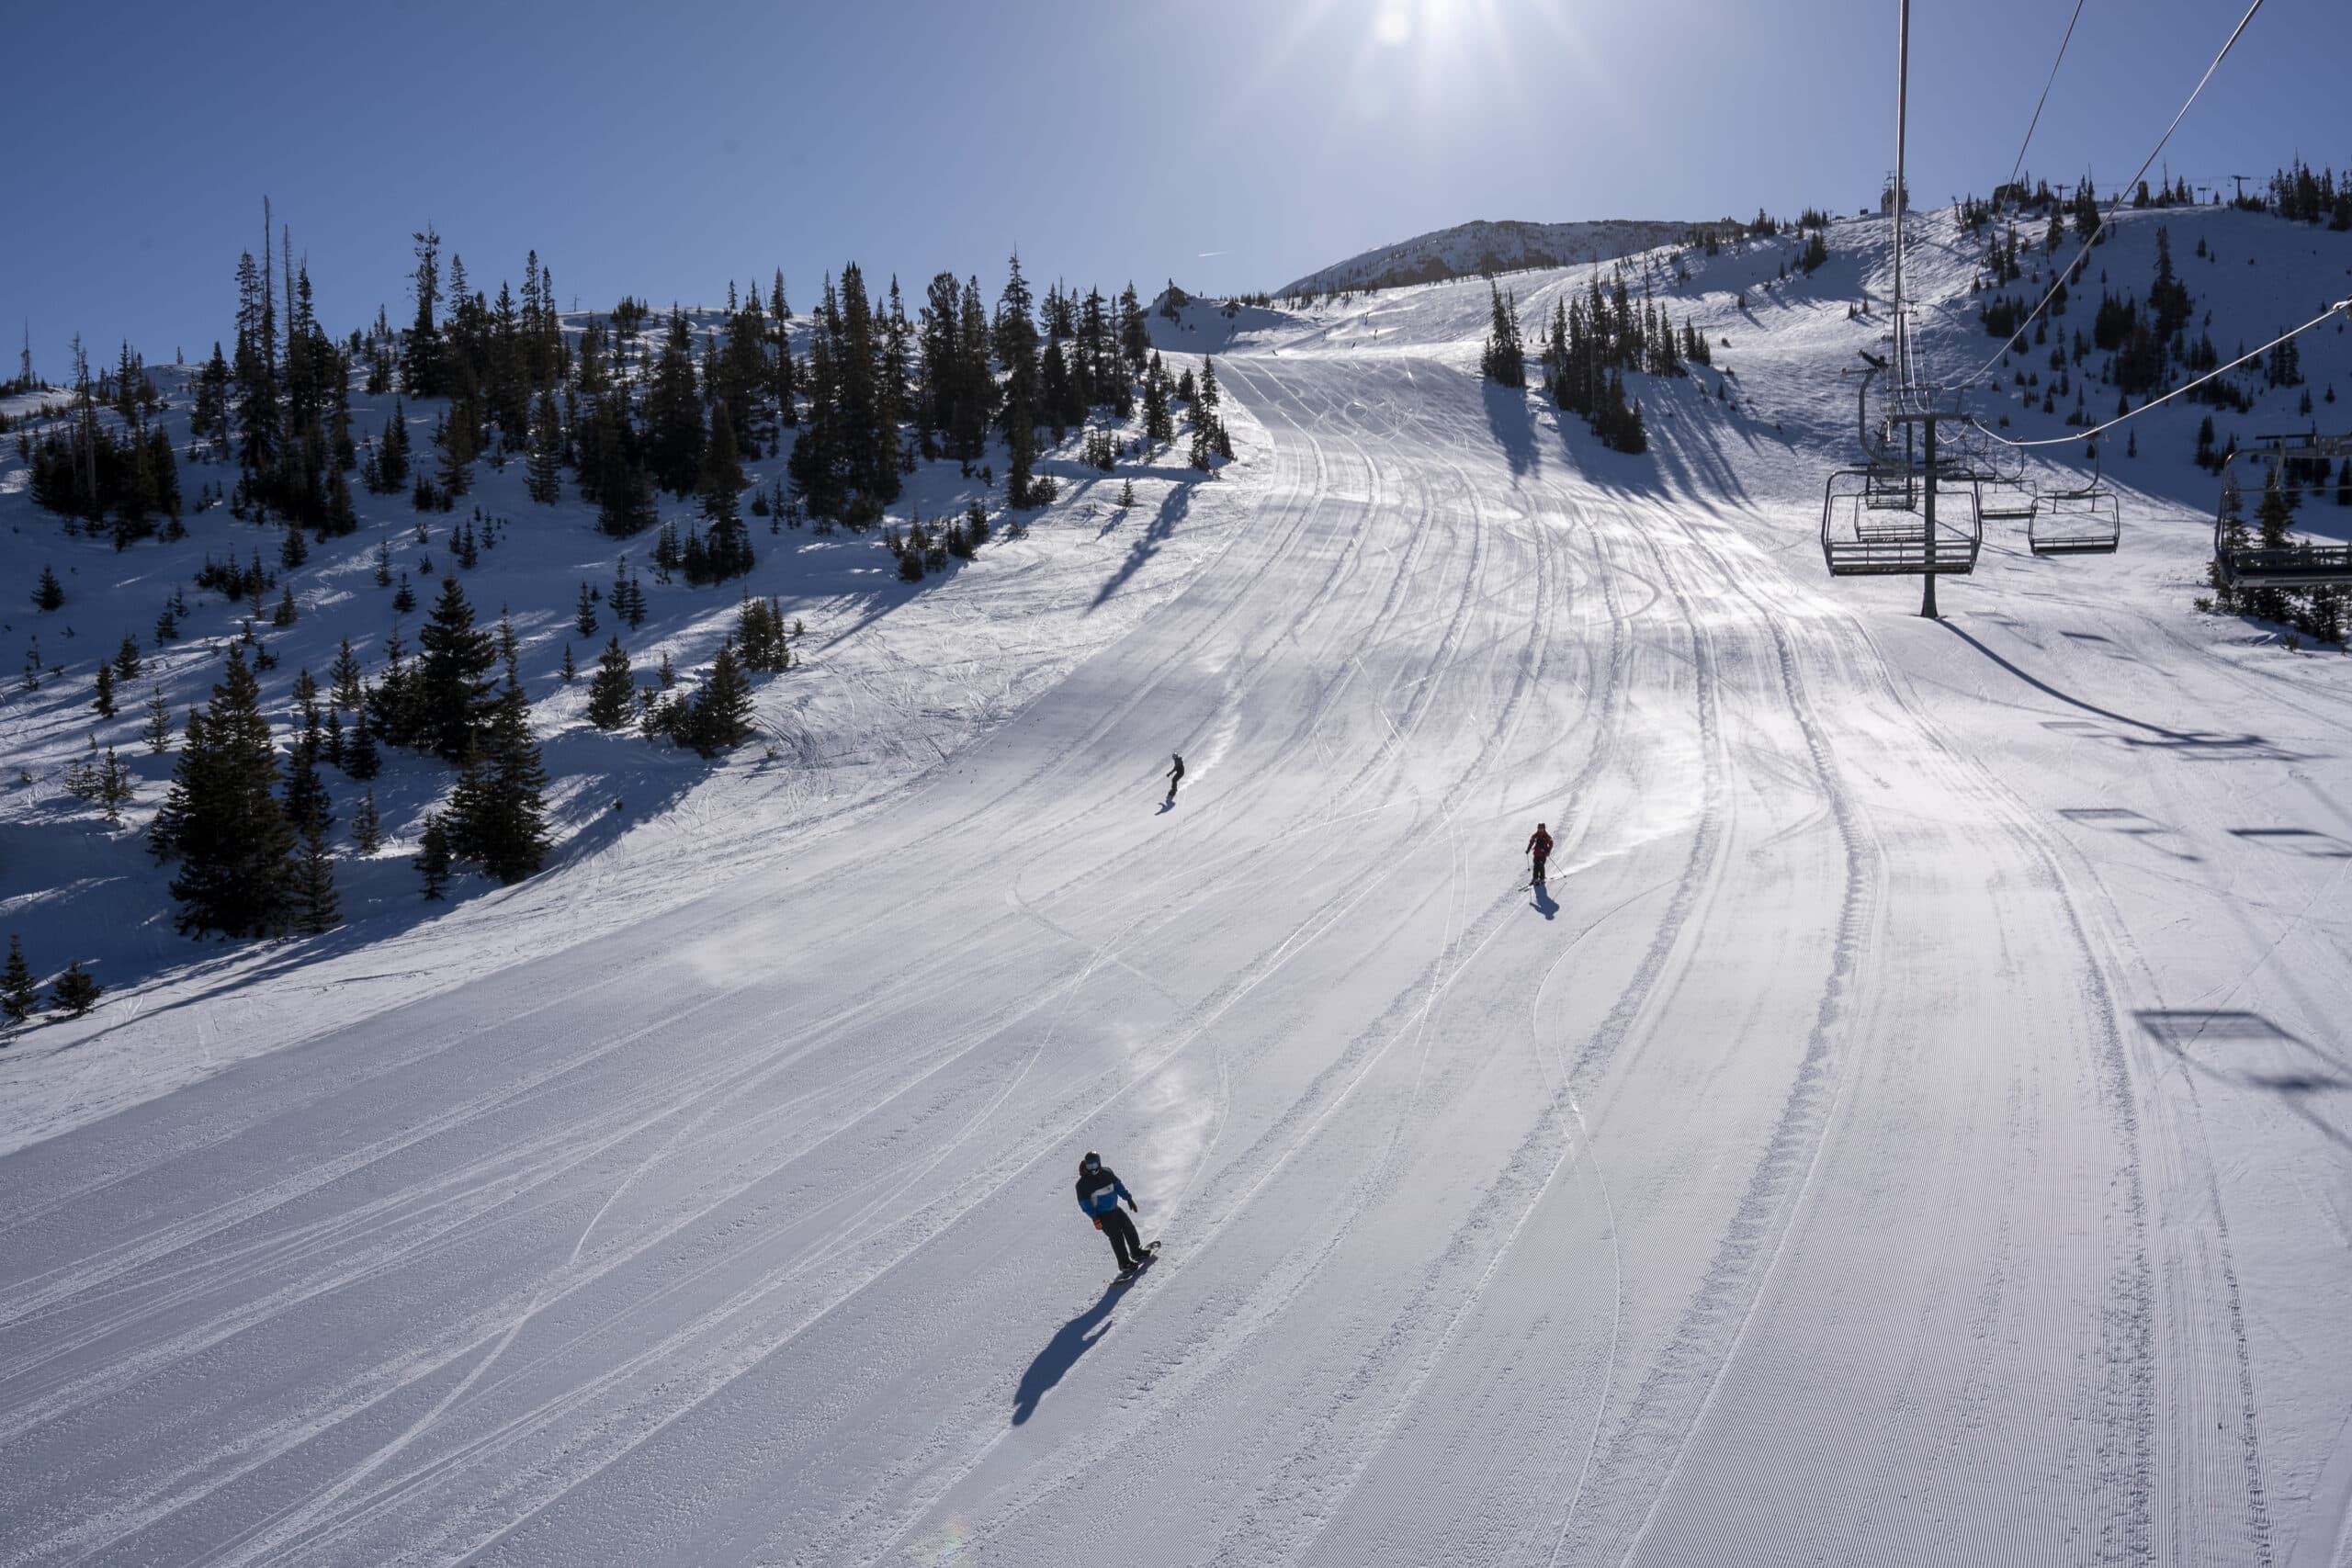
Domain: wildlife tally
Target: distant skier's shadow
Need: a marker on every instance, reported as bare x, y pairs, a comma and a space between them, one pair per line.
1167, 805
1060, 1354
1544, 901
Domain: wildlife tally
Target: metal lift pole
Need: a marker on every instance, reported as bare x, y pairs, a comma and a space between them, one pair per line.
1928, 598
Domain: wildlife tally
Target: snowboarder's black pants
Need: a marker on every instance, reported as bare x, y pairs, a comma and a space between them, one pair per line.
1539, 868
1124, 1240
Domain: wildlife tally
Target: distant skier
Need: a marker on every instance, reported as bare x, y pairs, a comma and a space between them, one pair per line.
1539, 844
1175, 774
1099, 1192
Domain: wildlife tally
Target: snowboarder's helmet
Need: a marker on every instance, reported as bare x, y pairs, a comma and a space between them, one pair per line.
1091, 1161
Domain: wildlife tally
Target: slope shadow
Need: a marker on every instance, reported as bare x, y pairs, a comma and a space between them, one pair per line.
2180, 1030
2190, 742
1178, 502
1074, 1340
380, 895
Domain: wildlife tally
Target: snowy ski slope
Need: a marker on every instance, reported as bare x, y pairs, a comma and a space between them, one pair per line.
1913, 1128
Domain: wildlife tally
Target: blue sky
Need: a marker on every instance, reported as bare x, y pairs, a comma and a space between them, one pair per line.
663, 150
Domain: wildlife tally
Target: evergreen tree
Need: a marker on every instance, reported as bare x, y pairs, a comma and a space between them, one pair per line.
125, 658
571, 669
345, 692
505, 831
585, 616
433, 857
366, 825
1504, 359
674, 426
50, 593
159, 723
613, 690
422, 373
20, 988
307, 803
545, 482
105, 701
76, 991
453, 676
317, 910
221, 819
360, 760
720, 718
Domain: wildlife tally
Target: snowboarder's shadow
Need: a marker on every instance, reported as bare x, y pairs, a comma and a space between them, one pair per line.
1544, 901
1061, 1353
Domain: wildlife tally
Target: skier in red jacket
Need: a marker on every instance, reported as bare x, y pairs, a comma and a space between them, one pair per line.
1539, 844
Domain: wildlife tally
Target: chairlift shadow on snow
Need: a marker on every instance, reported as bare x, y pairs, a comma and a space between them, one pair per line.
2133, 732
2232, 1033
1073, 1339
2130, 824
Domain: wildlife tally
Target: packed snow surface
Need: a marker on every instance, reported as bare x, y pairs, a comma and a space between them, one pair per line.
1913, 1125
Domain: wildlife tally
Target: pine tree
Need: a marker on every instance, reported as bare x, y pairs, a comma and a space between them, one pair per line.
545, 480
366, 825
433, 858
76, 991
585, 618
50, 593
125, 658
221, 819
504, 830
571, 669
105, 701
317, 910
453, 675
405, 601
345, 678
720, 720
307, 803
613, 691
286, 612
20, 988
159, 723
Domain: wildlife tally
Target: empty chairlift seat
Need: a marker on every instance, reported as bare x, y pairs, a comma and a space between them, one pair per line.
2084, 522
2299, 467
1863, 535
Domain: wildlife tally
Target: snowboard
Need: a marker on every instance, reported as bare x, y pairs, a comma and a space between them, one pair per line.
1127, 1276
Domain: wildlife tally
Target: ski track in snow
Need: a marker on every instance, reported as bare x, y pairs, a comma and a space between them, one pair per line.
1910, 1127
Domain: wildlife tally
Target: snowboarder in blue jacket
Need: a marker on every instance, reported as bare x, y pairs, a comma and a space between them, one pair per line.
1100, 1192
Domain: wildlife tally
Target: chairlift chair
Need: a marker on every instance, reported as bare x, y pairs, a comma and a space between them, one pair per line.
1862, 535
2246, 562
2084, 521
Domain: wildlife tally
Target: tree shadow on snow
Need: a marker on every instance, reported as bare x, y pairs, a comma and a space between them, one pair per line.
380, 895
1513, 424
1172, 508
1074, 1340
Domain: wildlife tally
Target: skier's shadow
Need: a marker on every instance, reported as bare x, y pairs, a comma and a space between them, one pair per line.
1167, 805
1061, 1353
1543, 902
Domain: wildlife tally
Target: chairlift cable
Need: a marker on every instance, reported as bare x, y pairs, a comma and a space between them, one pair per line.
2083, 250
2018, 167
2342, 307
